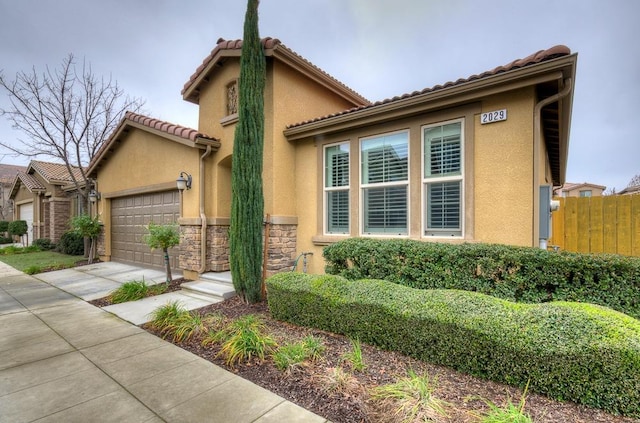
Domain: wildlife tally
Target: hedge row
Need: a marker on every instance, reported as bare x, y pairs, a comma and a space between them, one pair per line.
568, 351
520, 274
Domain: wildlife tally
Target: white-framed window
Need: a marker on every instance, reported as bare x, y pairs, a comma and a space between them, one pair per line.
585, 193
336, 188
384, 184
443, 179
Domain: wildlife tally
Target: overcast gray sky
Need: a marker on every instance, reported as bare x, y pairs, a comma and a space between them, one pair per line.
380, 48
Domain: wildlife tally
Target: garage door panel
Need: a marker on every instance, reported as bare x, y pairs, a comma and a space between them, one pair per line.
130, 215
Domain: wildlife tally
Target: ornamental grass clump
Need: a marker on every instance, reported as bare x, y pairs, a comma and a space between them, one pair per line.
242, 339
135, 290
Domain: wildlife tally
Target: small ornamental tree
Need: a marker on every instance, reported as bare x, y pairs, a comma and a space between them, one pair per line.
19, 228
164, 237
88, 227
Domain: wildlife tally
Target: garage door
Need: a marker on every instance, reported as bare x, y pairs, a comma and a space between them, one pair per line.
25, 211
130, 215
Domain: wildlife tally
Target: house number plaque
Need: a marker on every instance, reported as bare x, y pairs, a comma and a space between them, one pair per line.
495, 116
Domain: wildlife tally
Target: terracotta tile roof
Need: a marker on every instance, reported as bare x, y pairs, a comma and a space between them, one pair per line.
29, 181
169, 128
55, 173
233, 48
538, 57
8, 172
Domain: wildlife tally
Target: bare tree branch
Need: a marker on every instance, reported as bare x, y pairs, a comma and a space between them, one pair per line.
66, 114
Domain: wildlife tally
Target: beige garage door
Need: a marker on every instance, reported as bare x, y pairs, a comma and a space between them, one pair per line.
129, 215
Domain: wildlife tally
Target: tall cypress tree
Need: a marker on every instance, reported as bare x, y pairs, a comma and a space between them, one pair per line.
247, 201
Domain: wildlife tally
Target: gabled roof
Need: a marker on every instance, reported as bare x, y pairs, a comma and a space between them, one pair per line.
55, 173
570, 186
272, 48
8, 172
29, 181
538, 57
177, 133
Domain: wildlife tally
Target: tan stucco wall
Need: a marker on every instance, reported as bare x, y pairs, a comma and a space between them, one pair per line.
498, 175
504, 171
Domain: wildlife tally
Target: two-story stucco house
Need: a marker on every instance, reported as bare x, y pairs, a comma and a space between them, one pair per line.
473, 160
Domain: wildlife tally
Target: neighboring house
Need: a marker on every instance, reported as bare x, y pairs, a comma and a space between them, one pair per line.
585, 189
469, 161
7, 175
46, 198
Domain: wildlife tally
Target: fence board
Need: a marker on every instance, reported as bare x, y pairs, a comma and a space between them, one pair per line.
609, 224
583, 235
624, 225
635, 225
571, 224
596, 225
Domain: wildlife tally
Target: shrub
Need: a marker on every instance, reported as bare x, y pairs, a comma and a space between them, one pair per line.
71, 243
568, 351
4, 226
5, 240
43, 244
518, 274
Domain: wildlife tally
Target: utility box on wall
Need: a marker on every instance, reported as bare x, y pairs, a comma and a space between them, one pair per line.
546, 207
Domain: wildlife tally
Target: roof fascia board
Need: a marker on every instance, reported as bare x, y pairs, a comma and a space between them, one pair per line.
423, 103
190, 93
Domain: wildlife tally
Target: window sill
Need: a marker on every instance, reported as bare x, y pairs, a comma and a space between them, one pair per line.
228, 120
328, 239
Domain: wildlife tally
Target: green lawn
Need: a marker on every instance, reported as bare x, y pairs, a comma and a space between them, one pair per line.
40, 259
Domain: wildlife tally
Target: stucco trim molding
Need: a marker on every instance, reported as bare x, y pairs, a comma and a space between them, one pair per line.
164, 186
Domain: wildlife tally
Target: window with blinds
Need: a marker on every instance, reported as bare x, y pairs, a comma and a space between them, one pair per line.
443, 179
384, 161
336, 187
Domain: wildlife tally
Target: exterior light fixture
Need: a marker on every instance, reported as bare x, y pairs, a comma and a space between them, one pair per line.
94, 196
183, 183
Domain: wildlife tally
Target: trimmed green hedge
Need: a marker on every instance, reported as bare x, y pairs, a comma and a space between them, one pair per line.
568, 351
520, 274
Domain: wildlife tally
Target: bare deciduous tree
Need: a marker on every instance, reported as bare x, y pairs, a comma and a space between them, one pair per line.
66, 114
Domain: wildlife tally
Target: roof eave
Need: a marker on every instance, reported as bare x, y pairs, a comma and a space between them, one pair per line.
445, 97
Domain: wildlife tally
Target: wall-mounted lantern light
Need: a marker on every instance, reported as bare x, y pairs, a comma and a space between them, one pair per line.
183, 183
94, 196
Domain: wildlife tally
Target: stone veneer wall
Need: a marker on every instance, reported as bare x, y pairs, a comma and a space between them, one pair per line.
281, 254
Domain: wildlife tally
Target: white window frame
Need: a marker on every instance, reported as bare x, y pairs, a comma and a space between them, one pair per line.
363, 187
432, 233
327, 190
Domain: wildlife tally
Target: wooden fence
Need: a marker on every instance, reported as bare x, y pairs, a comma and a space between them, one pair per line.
609, 224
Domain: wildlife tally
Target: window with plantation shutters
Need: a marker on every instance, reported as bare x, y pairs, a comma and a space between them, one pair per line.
443, 179
384, 184
336, 187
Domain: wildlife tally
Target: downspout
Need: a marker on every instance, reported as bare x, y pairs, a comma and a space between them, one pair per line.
537, 139
203, 217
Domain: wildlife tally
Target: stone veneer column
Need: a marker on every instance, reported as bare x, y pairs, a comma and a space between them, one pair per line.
59, 215
280, 256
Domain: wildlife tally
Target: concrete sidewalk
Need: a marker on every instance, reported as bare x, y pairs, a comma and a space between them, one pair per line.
64, 360
100, 279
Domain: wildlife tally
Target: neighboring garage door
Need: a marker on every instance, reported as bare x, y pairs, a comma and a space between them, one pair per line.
130, 215
25, 211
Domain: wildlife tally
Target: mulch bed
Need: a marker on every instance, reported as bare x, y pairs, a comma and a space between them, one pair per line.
316, 388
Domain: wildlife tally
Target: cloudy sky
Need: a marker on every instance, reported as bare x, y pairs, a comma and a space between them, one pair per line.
380, 48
